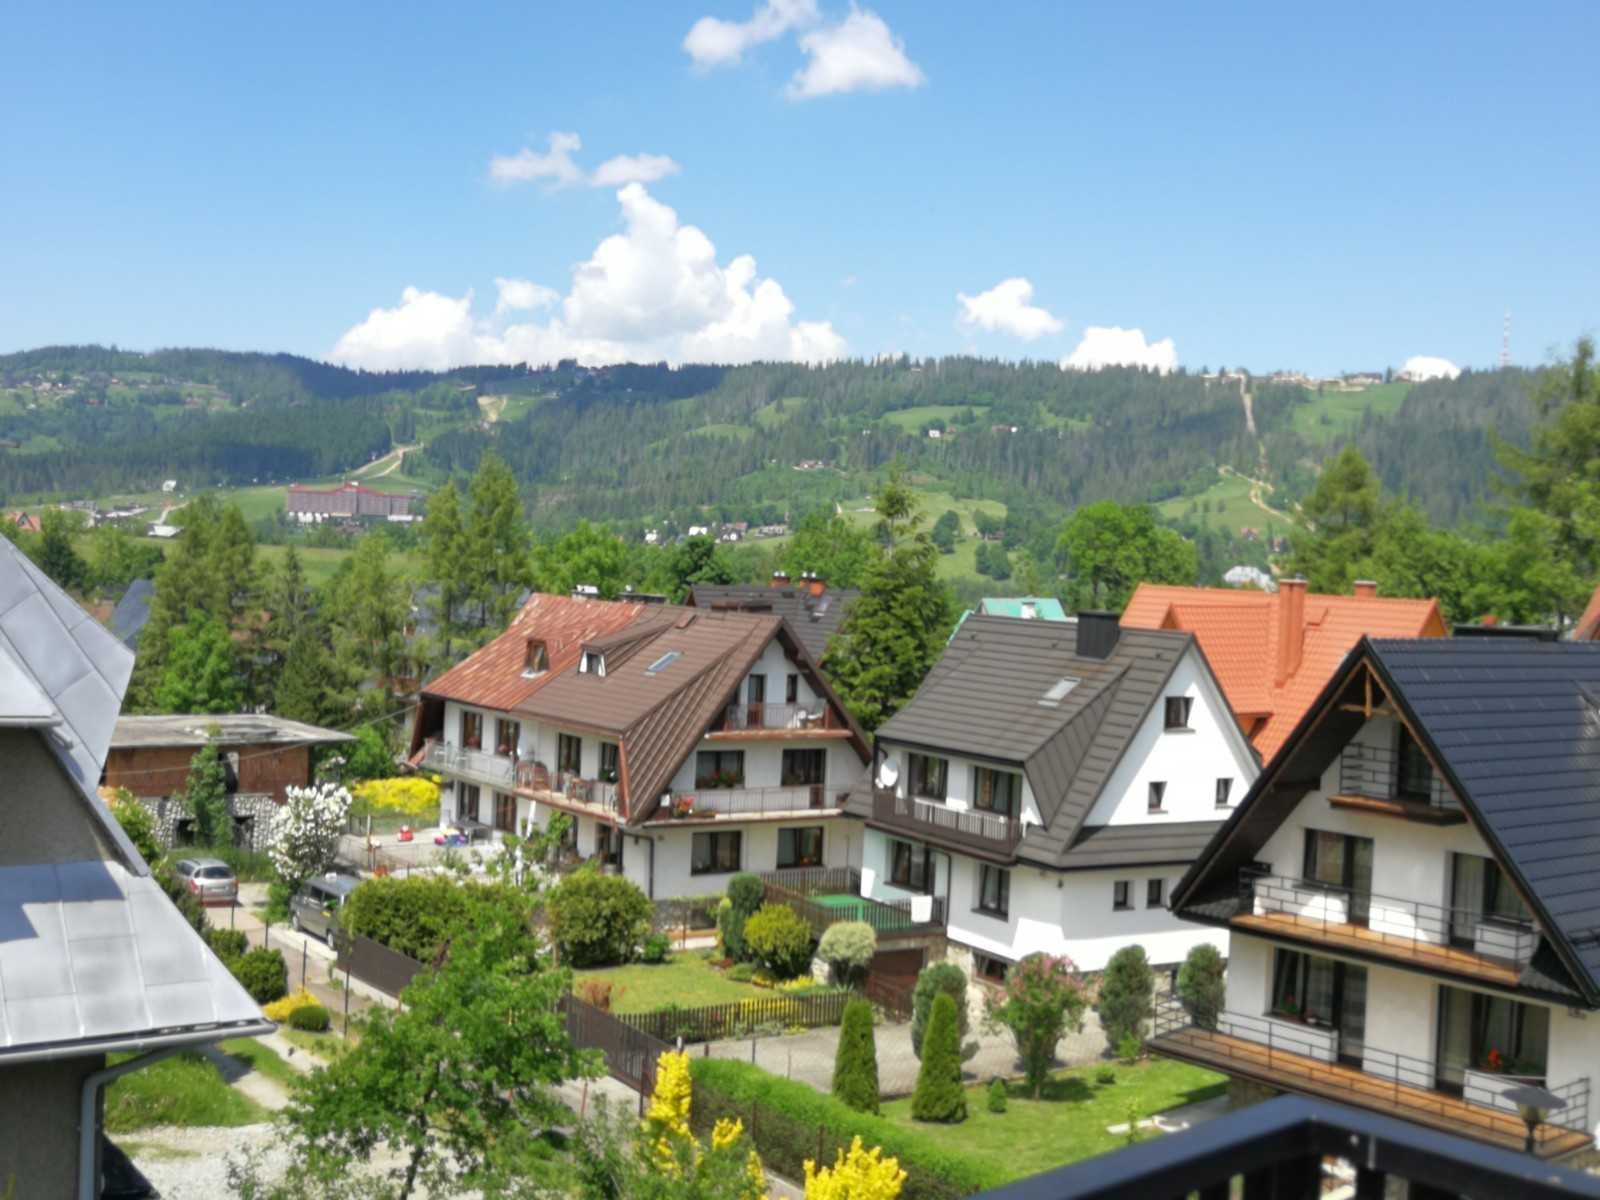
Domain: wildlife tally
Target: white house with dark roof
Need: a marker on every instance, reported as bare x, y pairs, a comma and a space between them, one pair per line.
1047, 786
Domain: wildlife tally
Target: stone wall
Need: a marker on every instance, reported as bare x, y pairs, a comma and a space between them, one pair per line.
252, 815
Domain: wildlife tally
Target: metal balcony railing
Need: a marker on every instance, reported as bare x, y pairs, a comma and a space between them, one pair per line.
797, 718
969, 828
1412, 928
477, 765
598, 794
1374, 772
751, 801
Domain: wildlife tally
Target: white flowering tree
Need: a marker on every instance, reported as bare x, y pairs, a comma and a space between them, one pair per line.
305, 830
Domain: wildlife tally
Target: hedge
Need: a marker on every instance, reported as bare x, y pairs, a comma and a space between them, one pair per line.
415, 915
790, 1122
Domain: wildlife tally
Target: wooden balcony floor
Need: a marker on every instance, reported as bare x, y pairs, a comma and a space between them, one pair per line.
1395, 946
1350, 1085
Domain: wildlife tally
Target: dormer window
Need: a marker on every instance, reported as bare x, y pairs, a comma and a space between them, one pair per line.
594, 663
536, 658
1178, 711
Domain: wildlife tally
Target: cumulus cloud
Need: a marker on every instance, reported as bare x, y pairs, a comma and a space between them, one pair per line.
557, 167
1421, 366
1112, 346
652, 292
712, 42
859, 54
1008, 307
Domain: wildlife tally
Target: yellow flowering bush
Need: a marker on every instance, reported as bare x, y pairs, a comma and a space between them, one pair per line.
279, 1010
857, 1174
411, 795
676, 1154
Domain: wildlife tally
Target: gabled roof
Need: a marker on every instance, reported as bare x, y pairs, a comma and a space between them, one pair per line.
1514, 726
814, 619
1241, 631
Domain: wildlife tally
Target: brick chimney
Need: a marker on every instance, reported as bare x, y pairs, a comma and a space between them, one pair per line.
1366, 589
815, 584
1291, 627
780, 579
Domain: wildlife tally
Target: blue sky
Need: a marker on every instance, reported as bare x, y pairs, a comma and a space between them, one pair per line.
1259, 183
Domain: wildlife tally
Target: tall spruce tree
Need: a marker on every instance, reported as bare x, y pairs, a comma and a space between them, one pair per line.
855, 1065
498, 543
939, 1095
450, 568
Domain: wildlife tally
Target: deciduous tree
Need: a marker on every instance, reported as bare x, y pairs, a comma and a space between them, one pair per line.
1042, 1001
1111, 548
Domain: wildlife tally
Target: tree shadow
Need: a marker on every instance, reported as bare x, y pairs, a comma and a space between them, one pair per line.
1071, 1090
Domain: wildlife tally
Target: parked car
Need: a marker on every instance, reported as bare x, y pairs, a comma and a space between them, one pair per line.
315, 907
211, 879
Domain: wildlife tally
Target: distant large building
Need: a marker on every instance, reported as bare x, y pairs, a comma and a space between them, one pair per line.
346, 500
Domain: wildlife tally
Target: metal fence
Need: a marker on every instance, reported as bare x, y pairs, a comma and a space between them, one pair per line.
746, 1017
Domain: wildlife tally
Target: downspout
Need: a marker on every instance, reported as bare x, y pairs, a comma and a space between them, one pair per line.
89, 1127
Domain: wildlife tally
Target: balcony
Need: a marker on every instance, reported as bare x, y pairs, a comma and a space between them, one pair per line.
824, 896
763, 720
722, 803
990, 834
477, 766
568, 791
1308, 1060
1369, 782
1458, 941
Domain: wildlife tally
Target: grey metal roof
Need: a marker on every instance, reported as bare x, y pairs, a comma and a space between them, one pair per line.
814, 619
94, 956
133, 611
1139, 845
232, 729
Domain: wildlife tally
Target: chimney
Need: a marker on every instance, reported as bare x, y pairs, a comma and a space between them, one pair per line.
1291, 626
1366, 589
815, 584
780, 579
1097, 634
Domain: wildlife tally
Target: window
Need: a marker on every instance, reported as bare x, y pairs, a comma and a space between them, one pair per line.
755, 695
230, 772
1479, 1032
800, 847
1155, 893
1058, 691
467, 802
791, 690
996, 791
569, 753
506, 736
804, 768
715, 853
719, 769
929, 776
535, 659
1178, 711
994, 890
505, 812
1224, 790
1121, 895
1158, 794
662, 663
1339, 860
989, 968
608, 845
1302, 987
593, 663
608, 762
471, 730
1480, 890
1414, 773
910, 867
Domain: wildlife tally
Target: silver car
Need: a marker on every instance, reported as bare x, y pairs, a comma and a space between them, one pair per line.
315, 907
209, 879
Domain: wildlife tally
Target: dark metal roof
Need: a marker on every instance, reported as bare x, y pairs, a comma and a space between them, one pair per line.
133, 611
1138, 845
814, 619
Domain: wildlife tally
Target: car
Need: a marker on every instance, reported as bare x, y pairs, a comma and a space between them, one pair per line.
211, 879
315, 907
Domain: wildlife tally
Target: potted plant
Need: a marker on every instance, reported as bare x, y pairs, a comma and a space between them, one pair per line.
682, 805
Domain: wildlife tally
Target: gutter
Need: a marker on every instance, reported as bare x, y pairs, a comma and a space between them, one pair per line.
89, 1098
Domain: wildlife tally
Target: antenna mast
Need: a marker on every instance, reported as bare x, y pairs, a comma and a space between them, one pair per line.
1505, 343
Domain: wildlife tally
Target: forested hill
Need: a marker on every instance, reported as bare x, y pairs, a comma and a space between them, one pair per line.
637, 443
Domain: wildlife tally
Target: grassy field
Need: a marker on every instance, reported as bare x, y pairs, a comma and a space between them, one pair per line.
257, 1056
319, 562
724, 429
1332, 413
1225, 505
913, 419
1069, 1122
962, 563
685, 979
769, 415
186, 1089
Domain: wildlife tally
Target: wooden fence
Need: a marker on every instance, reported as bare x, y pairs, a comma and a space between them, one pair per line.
890, 995
630, 1052
718, 1021
375, 964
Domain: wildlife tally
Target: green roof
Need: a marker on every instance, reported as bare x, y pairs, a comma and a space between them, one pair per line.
1043, 608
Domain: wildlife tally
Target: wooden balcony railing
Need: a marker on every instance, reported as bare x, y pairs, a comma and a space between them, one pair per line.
764, 717
565, 787
989, 833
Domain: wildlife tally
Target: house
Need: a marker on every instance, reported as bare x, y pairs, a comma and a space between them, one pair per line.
262, 755
699, 530
347, 500
686, 743
813, 612
1245, 576
1048, 784
161, 529
1274, 652
25, 522
168, 486
94, 959
1410, 894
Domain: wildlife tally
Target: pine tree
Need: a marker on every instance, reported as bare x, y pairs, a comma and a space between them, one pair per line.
201, 674
855, 1066
498, 543
939, 1095
449, 564
1201, 984
369, 615
311, 687
1126, 992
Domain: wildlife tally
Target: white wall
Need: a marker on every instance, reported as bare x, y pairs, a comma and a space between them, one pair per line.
777, 666
763, 762
1188, 761
841, 847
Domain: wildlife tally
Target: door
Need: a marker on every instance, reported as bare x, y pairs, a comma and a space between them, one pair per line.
755, 695
1342, 864
1352, 1014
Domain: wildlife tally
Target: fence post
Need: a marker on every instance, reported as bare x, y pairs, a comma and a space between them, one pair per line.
347, 999
304, 947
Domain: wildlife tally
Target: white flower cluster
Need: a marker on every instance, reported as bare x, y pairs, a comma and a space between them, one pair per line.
305, 830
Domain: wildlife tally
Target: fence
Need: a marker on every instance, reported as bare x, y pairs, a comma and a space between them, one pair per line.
718, 1021
886, 917
890, 995
375, 964
630, 1052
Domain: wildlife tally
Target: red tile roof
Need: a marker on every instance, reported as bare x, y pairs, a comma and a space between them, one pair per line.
1245, 636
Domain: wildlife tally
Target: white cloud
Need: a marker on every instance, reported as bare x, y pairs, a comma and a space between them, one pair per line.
1007, 308
557, 167
1112, 346
1421, 366
859, 54
652, 292
712, 42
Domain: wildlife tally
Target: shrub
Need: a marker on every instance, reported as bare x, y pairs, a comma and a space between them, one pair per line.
848, 948
939, 1095
263, 974
413, 796
597, 992
742, 972
855, 1066
279, 894
139, 823
746, 893
655, 948
228, 944
997, 1096
249, 866
730, 927
597, 920
934, 979
856, 1174
312, 1018
778, 939
791, 1122
281, 1010
417, 915
1105, 1076
1126, 992
1130, 1047
1042, 1000
1201, 986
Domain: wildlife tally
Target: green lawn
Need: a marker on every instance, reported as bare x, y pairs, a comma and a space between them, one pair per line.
257, 1056
685, 979
724, 429
1330, 414
1224, 505
1069, 1123
769, 416
326, 1046
913, 419
183, 1090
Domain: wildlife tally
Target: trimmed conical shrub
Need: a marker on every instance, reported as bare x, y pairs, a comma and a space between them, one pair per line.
855, 1069
939, 1096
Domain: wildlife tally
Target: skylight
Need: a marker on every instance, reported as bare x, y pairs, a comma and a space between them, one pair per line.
1058, 691
662, 663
